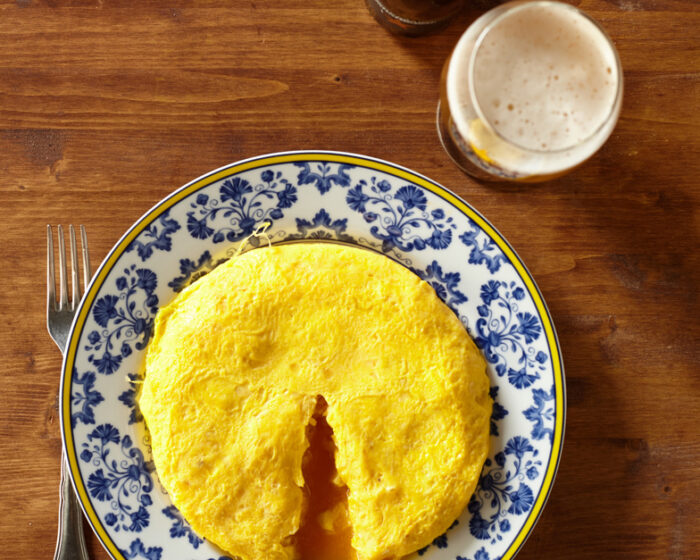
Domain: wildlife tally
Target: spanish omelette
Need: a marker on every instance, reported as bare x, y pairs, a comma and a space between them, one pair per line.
239, 361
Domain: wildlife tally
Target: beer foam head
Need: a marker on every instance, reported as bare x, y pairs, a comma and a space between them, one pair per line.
545, 77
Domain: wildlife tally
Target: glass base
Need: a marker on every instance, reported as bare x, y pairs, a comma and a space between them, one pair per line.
414, 17
463, 155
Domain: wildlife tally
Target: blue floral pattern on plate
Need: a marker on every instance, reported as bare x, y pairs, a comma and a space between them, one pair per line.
124, 318
483, 249
440, 541
503, 328
445, 284
503, 490
180, 527
323, 176
138, 550
125, 483
84, 398
480, 554
322, 227
191, 270
541, 414
155, 237
400, 218
128, 397
324, 199
240, 207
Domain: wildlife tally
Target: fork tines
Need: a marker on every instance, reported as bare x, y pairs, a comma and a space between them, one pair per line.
62, 302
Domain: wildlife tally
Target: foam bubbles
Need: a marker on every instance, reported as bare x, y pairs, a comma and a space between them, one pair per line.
545, 78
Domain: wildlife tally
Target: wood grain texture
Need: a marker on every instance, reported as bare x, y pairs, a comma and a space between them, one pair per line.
107, 106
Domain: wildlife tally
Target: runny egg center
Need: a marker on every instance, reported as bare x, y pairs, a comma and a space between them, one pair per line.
325, 531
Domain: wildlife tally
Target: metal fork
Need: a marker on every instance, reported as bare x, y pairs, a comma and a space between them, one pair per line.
70, 543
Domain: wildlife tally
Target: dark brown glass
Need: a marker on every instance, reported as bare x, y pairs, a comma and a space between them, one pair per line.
414, 17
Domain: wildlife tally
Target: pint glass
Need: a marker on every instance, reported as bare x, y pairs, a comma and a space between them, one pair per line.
530, 91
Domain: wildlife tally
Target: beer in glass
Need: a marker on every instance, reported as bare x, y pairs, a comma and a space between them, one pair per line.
531, 90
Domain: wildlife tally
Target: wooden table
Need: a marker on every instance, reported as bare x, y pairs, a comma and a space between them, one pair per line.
108, 106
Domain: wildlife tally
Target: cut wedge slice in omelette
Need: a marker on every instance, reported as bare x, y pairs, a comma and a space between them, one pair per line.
245, 362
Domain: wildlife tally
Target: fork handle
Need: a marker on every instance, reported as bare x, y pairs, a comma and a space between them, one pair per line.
70, 544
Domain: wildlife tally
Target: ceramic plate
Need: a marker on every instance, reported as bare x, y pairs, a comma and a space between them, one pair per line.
310, 195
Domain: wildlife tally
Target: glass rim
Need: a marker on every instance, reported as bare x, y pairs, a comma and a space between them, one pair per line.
520, 5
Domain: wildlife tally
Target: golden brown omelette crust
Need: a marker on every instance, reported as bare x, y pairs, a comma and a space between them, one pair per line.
233, 373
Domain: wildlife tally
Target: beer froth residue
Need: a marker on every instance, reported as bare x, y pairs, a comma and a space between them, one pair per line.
544, 78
